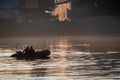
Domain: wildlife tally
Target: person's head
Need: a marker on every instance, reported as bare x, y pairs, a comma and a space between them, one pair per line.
31, 47
27, 47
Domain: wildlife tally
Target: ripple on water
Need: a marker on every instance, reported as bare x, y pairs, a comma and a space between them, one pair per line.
75, 66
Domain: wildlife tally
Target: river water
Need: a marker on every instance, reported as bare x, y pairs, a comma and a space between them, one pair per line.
78, 58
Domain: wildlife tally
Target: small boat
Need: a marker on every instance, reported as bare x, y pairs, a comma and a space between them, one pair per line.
39, 54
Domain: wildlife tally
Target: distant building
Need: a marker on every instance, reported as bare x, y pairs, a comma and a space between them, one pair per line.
25, 10
9, 3
8, 9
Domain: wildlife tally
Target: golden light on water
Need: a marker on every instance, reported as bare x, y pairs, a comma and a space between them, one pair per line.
62, 44
61, 10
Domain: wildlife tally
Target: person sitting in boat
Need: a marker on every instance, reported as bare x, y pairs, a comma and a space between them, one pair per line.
27, 50
31, 50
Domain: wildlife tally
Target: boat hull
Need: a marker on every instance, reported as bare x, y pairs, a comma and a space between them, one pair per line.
40, 54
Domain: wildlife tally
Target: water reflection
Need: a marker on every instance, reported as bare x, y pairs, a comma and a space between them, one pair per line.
61, 44
67, 44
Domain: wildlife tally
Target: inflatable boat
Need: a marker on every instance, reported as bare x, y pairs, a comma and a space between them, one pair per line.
39, 54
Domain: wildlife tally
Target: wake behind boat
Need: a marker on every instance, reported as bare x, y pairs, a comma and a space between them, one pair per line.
35, 55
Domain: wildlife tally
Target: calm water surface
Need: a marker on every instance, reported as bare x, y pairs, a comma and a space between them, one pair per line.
71, 59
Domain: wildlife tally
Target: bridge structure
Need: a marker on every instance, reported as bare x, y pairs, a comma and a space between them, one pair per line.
61, 10
58, 2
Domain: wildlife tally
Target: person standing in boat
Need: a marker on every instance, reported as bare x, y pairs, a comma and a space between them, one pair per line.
31, 50
27, 50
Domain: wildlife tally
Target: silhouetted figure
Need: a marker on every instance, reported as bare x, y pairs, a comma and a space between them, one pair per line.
27, 50
31, 50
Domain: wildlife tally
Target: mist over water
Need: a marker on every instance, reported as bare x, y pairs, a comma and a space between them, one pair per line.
95, 43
